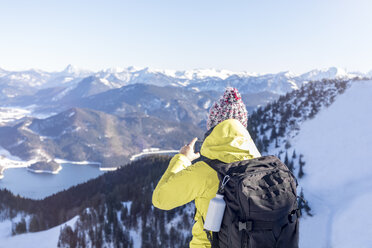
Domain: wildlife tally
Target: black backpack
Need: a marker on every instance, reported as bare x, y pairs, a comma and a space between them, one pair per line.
261, 204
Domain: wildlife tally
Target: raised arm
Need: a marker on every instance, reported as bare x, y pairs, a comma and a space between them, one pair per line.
181, 182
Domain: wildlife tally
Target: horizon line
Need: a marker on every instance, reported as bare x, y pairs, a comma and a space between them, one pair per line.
138, 68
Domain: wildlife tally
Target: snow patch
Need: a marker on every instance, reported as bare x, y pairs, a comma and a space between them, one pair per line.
128, 205
207, 104
10, 114
63, 161
151, 152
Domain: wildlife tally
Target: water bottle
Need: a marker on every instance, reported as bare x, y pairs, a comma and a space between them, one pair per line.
215, 212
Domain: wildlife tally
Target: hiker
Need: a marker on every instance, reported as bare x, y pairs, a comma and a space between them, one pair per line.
227, 140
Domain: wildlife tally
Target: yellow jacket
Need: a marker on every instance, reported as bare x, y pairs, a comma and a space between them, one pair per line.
184, 182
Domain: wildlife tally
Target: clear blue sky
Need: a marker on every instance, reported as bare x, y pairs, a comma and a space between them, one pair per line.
250, 35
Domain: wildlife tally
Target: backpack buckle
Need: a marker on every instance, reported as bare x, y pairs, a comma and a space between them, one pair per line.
248, 226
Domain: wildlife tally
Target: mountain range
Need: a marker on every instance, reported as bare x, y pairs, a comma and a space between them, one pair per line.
20, 83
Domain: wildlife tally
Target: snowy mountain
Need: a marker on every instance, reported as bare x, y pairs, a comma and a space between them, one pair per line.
329, 73
88, 135
212, 79
272, 125
167, 103
52, 92
336, 145
322, 132
21, 83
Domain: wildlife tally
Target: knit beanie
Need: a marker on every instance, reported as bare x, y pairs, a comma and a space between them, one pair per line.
229, 106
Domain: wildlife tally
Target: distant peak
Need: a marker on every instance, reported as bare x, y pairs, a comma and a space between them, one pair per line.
288, 74
70, 69
2, 70
329, 72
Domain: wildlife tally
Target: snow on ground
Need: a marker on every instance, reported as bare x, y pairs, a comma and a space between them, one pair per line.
8, 114
9, 161
63, 161
354, 234
336, 145
44, 239
151, 151
135, 234
128, 205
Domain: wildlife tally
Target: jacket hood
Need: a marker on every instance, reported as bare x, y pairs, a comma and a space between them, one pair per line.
228, 142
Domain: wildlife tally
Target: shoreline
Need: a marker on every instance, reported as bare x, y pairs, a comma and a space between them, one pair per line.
108, 168
144, 153
7, 161
45, 171
64, 161
13, 164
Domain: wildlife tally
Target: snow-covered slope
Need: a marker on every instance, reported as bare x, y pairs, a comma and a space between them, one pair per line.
336, 145
43, 239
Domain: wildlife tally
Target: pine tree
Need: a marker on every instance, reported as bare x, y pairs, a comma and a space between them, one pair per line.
287, 145
21, 227
304, 205
282, 129
301, 170
34, 224
259, 145
294, 155
286, 161
262, 131
289, 163
266, 143
273, 135
276, 143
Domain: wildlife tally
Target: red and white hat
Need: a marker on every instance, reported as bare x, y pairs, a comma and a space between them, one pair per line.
230, 106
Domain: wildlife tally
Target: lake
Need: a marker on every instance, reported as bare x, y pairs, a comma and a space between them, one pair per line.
40, 185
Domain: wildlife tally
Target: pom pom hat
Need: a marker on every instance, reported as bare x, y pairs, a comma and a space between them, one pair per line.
229, 106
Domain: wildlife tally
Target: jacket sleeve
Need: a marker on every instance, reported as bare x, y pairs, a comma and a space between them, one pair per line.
179, 185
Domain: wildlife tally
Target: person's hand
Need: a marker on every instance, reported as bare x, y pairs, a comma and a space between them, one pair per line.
188, 150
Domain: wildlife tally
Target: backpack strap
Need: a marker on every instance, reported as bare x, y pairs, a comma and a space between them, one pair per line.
213, 236
222, 176
211, 162
215, 164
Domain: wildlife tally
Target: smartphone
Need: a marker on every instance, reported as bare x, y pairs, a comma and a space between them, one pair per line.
198, 145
